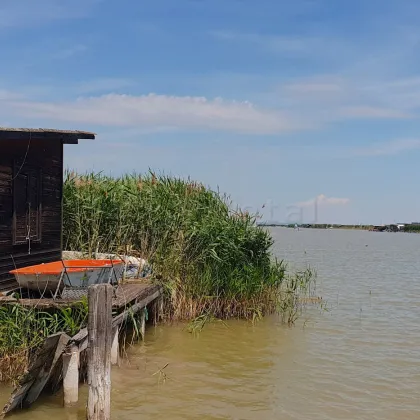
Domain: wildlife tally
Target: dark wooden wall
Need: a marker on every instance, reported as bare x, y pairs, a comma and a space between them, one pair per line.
47, 155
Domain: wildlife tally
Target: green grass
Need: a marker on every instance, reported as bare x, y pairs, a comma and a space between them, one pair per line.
22, 331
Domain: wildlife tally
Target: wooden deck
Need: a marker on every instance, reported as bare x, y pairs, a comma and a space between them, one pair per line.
124, 295
50, 357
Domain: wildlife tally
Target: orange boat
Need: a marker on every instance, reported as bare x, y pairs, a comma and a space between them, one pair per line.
70, 273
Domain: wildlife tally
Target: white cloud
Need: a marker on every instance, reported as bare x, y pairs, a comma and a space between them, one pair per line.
70, 51
301, 104
314, 87
323, 102
272, 43
159, 111
372, 112
390, 148
106, 84
20, 13
69, 89
6, 95
322, 199
409, 82
333, 98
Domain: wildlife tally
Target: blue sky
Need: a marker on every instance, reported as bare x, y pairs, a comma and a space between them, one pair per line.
275, 102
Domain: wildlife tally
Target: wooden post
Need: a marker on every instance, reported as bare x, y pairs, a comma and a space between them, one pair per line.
143, 323
115, 349
160, 310
99, 351
71, 376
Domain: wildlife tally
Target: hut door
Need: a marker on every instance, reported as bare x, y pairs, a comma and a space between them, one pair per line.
27, 206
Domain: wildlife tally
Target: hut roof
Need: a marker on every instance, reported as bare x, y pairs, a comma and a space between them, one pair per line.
66, 136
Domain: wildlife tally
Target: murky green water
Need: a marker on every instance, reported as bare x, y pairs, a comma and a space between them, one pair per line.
359, 360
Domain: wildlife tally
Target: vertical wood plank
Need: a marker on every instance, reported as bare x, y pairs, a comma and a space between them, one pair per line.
115, 349
99, 351
39, 372
71, 376
160, 308
143, 323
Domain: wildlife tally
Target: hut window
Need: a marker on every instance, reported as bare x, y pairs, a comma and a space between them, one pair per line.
27, 205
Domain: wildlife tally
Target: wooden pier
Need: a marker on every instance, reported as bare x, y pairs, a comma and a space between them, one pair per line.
124, 294
60, 355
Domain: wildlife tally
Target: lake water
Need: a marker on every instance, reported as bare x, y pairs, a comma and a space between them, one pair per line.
360, 359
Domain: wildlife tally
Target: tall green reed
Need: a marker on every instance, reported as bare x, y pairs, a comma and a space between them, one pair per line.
23, 330
212, 259
209, 256
412, 228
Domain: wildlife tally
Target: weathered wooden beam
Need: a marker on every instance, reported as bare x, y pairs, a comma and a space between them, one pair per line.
99, 351
39, 373
71, 375
81, 337
135, 308
83, 343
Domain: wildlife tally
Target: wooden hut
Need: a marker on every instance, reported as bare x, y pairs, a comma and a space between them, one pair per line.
31, 186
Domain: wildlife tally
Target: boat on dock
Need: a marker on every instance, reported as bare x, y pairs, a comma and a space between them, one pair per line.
68, 273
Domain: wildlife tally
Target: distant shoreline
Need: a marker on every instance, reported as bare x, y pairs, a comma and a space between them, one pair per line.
320, 226
412, 228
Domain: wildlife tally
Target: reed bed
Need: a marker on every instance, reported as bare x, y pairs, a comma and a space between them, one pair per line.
213, 261
412, 228
23, 330
211, 258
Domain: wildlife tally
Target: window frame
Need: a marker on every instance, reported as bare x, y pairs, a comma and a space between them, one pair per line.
29, 171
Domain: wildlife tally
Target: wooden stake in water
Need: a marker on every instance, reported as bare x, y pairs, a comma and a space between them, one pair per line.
115, 349
71, 376
99, 352
143, 323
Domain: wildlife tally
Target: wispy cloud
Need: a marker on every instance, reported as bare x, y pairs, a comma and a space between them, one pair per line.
21, 13
322, 199
314, 87
311, 46
390, 148
159, 111
373, 113
273, 43
70, 52
402, 93
332, 98
39, 93
104, 84
364, 82
303, 106
6, 95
